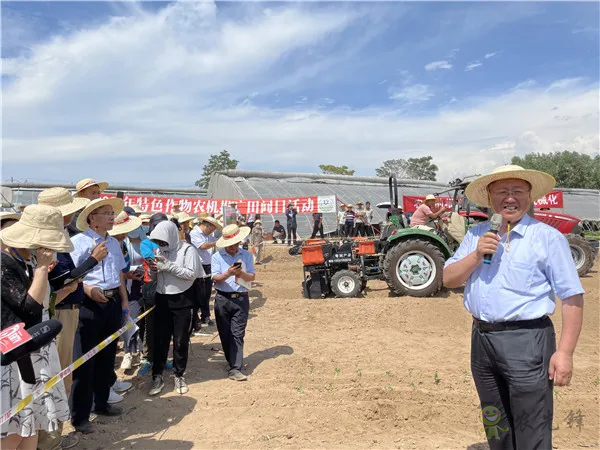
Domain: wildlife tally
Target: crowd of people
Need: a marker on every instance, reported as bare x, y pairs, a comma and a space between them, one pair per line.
94, 265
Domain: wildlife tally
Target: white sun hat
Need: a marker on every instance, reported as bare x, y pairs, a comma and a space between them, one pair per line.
40, 226
89, 182
62, 199
232, 234
124, 223
541, 183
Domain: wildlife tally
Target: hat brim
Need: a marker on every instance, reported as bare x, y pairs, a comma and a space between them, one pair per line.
21, 235
116, 203
212, 221
77, 204
133, 223
10, 216
242, 234
541, 184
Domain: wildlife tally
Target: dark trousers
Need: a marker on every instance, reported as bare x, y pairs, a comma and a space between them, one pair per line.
231, 316
147, 333
175, 323
349, 229
361, 229
510, 370
92, 380
291, 233
317, 228
207, 284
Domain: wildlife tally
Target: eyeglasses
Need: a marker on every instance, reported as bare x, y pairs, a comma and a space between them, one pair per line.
108, 214
503, 193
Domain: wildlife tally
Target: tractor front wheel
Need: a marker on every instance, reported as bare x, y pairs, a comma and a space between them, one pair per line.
582, 253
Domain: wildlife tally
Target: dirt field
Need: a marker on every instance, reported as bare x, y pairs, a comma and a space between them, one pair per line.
373, 372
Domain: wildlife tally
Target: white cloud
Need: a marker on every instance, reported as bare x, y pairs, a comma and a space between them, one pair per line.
437, 65
473, 65
146, 99
490, 55
411, 94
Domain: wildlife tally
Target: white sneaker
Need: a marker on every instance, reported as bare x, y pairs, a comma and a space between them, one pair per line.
113, 397
127, 362
121, 386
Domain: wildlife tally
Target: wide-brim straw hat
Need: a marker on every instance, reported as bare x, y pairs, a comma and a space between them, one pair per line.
201, 216
62, 199
145, 217
541, 183
359, 203
40, 226
116, 203
182, 217
124, 223
232, 234
5, 215
89, 182
430, 197
136, 208
212, 221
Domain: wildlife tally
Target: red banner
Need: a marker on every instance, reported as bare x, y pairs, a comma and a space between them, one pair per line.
304, 205
552, 200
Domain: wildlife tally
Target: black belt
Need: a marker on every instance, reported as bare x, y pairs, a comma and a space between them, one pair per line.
511, 325
110, 293
231, 295
67, 306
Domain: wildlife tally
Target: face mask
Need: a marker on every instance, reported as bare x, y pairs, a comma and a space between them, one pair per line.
146, 229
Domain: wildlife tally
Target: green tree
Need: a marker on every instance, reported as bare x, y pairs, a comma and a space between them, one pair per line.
570, 169
336, 170
413, 168
222, 161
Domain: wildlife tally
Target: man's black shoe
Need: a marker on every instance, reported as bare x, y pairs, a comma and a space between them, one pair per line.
84, 427
109, 410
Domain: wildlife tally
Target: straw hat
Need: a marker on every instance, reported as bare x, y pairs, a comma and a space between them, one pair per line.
124, 223
359, 203
430, 197
232, 234
88, 182
62, 199
258, 221
5, 215
39, 226
541, 183
349, 206
116, 203
136, 208
212, 221
145, 217
182, 217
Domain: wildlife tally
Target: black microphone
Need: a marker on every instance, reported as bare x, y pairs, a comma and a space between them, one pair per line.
41, 335
495, 225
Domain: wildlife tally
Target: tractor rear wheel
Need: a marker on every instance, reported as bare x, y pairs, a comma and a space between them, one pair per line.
414, 267
346, 283
582, 253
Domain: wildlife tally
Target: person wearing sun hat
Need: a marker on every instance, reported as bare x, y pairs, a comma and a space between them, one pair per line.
204, 241
90, 189
7, 218
349, 221
424, 214
514, 358
232, 272
100, 315
29, 248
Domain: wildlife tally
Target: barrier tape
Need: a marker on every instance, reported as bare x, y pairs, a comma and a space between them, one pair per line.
68, 370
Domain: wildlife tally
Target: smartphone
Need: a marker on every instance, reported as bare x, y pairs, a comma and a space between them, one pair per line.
237, 264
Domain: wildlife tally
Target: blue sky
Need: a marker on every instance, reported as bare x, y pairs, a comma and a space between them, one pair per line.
140, 93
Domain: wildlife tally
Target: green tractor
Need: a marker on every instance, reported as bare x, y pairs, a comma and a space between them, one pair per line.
413, 259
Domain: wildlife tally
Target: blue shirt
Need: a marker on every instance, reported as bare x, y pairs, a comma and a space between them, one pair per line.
107, 274
198, 238
519, 284
221, 260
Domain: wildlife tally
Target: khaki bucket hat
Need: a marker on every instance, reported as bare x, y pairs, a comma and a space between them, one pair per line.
232, 234
40, 226
62, 199
541, 183
116, 203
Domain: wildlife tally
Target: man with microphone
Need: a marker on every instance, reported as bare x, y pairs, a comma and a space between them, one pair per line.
513, 274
